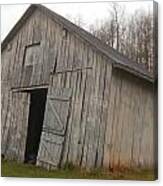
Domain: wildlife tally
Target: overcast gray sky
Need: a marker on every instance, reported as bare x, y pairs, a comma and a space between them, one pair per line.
90, 12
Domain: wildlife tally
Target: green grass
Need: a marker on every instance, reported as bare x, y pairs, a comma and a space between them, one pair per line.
14, 169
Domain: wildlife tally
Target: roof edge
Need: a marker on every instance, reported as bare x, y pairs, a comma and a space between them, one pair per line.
18, 25
121, 61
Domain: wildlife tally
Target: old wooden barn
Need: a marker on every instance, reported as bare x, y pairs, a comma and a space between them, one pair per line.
69, 98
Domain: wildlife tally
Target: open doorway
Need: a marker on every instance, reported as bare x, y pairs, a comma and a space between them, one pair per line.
35, 123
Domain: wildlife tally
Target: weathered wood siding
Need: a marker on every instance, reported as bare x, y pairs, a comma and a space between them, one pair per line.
15, 72
31, 45
15, 129
109, 122
40, 35
130, 133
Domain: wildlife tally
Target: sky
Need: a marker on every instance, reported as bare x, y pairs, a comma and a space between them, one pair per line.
90, 12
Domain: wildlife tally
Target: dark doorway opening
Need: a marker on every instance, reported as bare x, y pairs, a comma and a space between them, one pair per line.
35, 123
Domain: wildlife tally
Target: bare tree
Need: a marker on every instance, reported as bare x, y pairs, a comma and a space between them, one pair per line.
132, 37
78, 19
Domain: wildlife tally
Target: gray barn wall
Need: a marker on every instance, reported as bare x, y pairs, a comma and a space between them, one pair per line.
130, 134
111, 114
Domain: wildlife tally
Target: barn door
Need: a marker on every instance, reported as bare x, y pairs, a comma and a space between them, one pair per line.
54, 127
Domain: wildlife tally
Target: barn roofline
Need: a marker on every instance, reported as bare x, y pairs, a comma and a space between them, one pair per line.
119, 60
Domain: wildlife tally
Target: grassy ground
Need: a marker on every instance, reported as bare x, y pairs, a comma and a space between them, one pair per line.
13, 169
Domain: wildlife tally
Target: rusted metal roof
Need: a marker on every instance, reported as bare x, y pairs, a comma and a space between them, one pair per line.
119, 60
